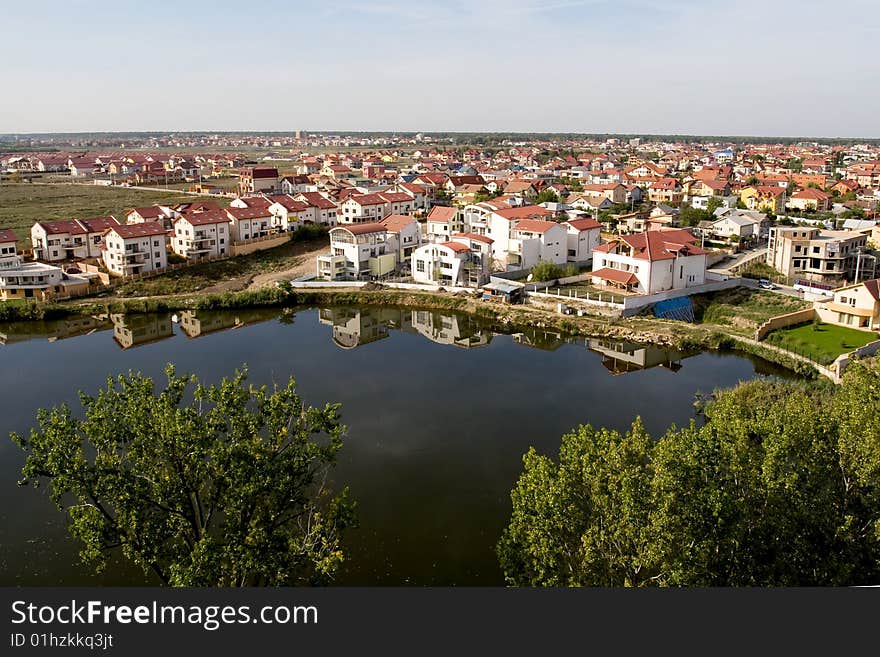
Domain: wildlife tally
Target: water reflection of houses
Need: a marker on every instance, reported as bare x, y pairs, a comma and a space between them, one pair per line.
198, 323
352, 327
622, 357
52, 330
136, 330
456, 330
539, 339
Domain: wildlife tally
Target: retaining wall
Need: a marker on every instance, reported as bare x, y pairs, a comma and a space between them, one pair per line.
784, 321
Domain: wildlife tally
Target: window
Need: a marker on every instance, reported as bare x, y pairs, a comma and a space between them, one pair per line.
420, 265
156, 255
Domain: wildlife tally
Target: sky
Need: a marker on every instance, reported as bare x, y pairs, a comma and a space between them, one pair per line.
711, 67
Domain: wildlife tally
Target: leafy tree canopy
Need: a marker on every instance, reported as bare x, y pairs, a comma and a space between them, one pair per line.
202, 485
779, 486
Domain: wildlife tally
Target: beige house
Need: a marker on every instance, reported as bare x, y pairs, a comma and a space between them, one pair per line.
854, 306
824, 256
202, 235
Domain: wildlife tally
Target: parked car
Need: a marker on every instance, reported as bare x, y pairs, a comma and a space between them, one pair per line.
766, 284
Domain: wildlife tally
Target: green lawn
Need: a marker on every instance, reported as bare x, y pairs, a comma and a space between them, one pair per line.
23, 204
823, 342
742, 310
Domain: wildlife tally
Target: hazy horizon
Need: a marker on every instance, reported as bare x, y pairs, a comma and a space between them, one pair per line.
684, 67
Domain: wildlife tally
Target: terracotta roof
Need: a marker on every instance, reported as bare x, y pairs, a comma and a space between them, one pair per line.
202, 218
150, 212
616, 275
475, 237
523, 212
289, 203
397, 222
534, 226
70, 227
248, 213
316, 200
812, 194
662, 244
255, 201
440, 213
395, 197
458, 247
99, 224
368, 199
873, 287
361, 229
7, 235
127, 231
583, 224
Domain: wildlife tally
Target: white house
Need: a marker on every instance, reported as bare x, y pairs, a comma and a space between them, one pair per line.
135, 248
404, 233
357, 251
77, 238
583, 237
362, 209
534, 240
499, 224
442, 223
160, 213
288, 213
323, 209
249, 223
441, 263
202, 235
650, 262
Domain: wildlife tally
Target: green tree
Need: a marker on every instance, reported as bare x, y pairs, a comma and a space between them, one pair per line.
779, 486
583, 521
546, 196
202, 485
714, 204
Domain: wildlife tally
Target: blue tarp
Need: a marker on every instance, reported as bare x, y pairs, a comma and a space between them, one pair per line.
681, 309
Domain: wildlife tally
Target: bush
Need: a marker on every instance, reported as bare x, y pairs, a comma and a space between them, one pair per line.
547, 271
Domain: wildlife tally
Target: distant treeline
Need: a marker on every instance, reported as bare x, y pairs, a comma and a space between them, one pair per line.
13, 142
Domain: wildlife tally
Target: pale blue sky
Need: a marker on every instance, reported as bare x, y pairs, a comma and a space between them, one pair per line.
733, 67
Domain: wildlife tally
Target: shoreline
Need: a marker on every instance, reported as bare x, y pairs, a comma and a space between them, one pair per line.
499, 317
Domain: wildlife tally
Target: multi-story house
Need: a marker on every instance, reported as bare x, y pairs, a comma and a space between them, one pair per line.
809, 199
161, 213
404, 233
362, 209
33, 280
812, 254
765, 198
443, 222
534, 240
855, 306
582, 238
296, 184
665, 190
135, 248
77, 238
323, 209
357, 251
650, 262
250, 223
202, 235
288, 213
465, 260
257, 180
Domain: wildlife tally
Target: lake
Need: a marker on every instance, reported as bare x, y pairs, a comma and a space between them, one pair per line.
439, 411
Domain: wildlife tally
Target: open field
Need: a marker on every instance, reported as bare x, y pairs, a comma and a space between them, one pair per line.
820, 342
742, 310
22, 204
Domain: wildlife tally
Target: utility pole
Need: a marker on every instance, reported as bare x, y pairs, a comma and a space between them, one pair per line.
858, 262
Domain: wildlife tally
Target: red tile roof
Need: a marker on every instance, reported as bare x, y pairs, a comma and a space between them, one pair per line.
475, 237
458, 247
616, 275
368, 199
202, 218
534, 226
441, 214
127, 231
397, 222
248, 213
7, 235
99, 224
362, 229
583, 224
316, 200
523, 212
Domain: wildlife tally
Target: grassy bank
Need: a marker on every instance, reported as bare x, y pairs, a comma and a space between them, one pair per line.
820, 342
741, 310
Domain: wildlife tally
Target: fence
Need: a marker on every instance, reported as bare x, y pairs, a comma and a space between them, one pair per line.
784, 321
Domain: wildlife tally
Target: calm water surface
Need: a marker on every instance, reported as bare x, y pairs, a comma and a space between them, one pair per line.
439, 412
